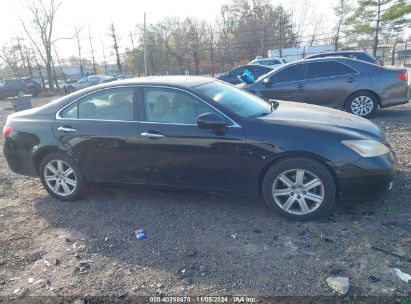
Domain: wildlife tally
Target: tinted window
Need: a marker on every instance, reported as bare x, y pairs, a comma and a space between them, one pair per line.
290, 73
235, 100
258, 71
113, 104
172, 106
237, 72
330, 68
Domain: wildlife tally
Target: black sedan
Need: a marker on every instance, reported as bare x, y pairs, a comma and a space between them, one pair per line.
342, 83
232, 76
201, 134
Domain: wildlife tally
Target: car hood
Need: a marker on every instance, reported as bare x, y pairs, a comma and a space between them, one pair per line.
295, 112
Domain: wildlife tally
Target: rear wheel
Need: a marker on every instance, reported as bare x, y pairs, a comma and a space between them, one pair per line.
299, 189
362, 104
61, 176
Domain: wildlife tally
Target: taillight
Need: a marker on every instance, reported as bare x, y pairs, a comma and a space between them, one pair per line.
403, 75
7, 130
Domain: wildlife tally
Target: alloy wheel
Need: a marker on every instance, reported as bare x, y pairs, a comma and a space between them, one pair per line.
362, 105
298, 191
60, 177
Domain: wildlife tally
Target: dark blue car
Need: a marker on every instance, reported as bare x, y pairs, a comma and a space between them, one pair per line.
20, 87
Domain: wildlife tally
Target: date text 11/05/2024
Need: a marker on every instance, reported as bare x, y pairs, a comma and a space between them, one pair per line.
203, 299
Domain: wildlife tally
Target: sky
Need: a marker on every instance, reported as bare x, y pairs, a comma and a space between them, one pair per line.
125, 14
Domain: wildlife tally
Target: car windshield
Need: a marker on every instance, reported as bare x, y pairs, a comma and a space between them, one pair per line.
235, 100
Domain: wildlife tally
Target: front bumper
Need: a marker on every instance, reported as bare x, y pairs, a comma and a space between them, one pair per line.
368, 178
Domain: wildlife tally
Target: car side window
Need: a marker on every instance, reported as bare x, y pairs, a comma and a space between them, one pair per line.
295, 72
258, 71
164, 105
111, 104
237, 72
329, 68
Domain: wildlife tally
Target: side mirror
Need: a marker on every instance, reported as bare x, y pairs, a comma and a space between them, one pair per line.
211, 121
266, 81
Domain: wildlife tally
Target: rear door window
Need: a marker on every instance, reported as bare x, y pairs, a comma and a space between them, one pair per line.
329, 69
295, 72
111, 104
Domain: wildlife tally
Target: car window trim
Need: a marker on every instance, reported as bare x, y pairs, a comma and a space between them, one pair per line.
58, 116
234, 123
308, 72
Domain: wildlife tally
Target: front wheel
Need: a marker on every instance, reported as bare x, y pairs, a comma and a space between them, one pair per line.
362, 104
299, 189
61, 176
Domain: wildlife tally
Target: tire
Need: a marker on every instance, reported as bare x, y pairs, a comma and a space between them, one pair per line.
362, 103
74, 180
299, 203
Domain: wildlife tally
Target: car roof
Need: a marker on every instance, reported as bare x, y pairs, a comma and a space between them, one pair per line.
337, 53
256, 65
182, 81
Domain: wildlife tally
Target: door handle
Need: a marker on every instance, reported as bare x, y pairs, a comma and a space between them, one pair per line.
66, 129
151, 135
351, 80
300, 86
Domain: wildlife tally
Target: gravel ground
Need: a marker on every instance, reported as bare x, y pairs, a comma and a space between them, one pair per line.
201, 243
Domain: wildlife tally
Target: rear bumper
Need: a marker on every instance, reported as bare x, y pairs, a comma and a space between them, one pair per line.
390, 102
368, 178
19, 161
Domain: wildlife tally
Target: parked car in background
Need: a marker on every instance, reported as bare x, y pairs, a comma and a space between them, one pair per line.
19, 87
199, 133
272, 62
359, 55
342, 83
86, 82
232, 76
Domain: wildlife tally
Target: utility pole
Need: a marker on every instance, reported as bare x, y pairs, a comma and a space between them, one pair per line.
92, 51
144, 46
132, 40
79, 49
104, 55
21, 54
17, 72
115, 46
212, 52
405, 51
28, 62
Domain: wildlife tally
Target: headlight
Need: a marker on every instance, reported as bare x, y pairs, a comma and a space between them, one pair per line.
367, 147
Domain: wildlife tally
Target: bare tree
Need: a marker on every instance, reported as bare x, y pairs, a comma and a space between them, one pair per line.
115, 46
301, 14
342, 10
317, 24
7, 54
43, 15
